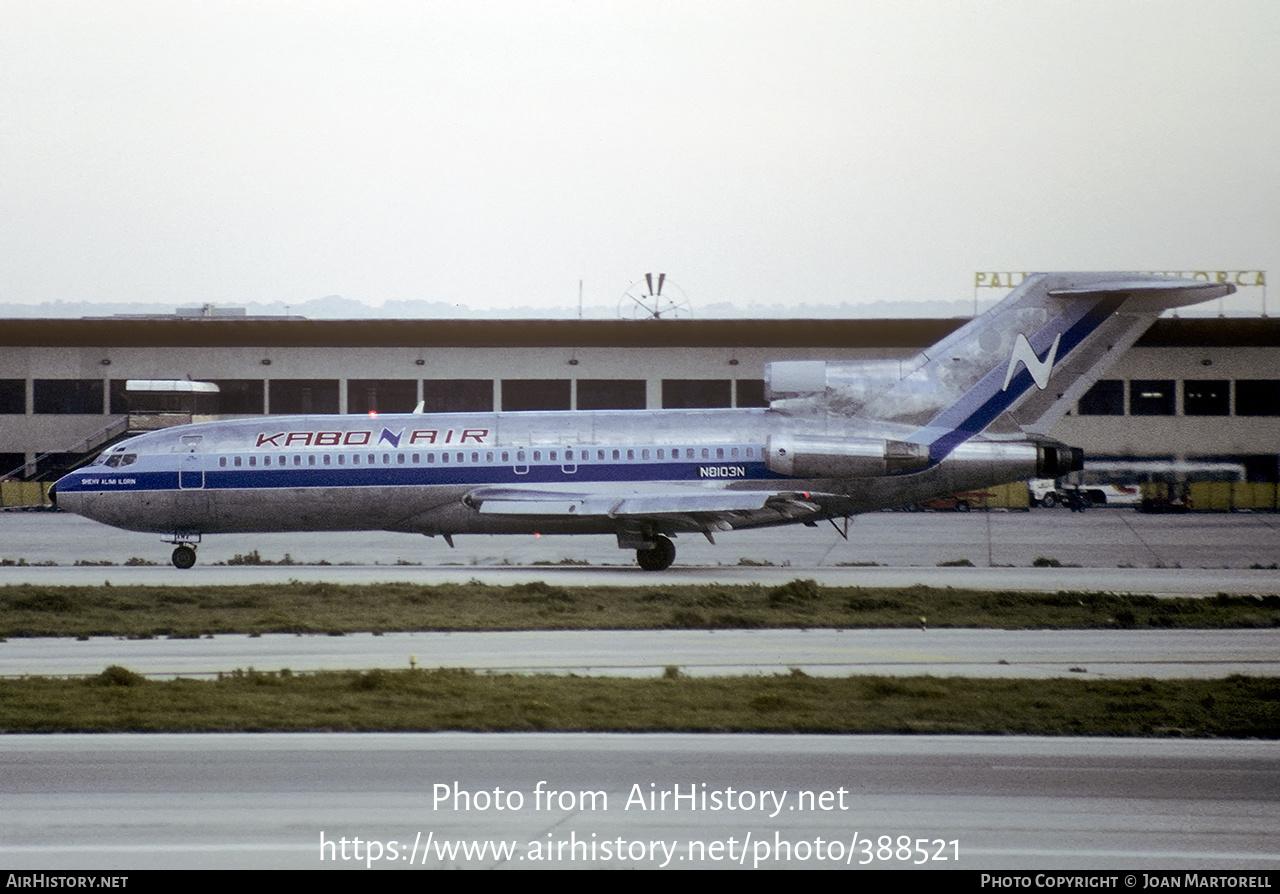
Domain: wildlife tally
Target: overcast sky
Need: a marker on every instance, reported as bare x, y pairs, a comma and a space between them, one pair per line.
496, 153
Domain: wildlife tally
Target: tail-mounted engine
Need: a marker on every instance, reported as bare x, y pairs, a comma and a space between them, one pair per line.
809, 456
806, 456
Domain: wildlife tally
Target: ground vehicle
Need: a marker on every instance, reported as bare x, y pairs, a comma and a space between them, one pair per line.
1049, 493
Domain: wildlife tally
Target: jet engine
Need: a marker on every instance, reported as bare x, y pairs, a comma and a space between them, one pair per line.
809, 456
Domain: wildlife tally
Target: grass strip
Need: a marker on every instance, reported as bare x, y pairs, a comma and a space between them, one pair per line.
189, 611
434, 700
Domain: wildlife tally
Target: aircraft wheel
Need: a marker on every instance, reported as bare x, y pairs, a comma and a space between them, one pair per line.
659, 557
184, 556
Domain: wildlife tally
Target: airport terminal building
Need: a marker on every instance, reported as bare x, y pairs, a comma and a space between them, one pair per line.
1199, 390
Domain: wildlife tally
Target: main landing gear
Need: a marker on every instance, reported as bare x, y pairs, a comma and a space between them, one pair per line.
184, 556
657, 557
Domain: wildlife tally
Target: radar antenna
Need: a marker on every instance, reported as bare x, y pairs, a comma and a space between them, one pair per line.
654, 298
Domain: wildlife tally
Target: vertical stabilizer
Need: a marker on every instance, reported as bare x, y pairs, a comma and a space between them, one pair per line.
1019, 367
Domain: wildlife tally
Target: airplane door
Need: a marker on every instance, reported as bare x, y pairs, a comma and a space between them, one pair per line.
191, 471
191, 466
569, 467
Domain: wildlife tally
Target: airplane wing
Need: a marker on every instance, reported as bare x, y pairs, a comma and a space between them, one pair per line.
684, 507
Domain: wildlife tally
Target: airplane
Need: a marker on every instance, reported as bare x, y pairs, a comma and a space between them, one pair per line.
838, 438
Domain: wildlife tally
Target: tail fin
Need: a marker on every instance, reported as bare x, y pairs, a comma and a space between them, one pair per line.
1014, 370
1019, 367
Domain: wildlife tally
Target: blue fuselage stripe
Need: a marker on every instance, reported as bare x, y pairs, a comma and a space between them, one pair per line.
397, 475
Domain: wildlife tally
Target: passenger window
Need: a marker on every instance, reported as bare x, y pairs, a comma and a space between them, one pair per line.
644, 454
236, 461
444, 457
355, 459
253, 460
222, 461
311, 459
617, 455
537, 456
342, 459
631, 454
719, 453
706, 454
734, 453
326, 459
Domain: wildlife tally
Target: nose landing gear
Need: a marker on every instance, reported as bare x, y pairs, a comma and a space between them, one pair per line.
184, 548
184, 556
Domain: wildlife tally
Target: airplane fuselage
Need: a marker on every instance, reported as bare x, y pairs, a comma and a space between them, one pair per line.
838, 438
414, 472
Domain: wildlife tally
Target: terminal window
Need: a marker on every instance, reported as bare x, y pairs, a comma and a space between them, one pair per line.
68, 396
535, 394
117, 397
457, 396
1106, 398
303, 396
240, 397
1151, 397
751, 393
1258, 397
1206, 397
381, 395
611, 394
13, 395
694, 394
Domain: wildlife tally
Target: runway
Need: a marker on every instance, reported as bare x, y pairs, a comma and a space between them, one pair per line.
1079, 654
1114, 550
257, 801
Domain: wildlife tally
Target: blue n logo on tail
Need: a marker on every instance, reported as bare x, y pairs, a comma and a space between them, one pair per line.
1039, 369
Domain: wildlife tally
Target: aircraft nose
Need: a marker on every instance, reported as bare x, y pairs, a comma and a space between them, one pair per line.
53, 494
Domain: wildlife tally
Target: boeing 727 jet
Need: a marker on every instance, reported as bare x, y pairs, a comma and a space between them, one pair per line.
838, 438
